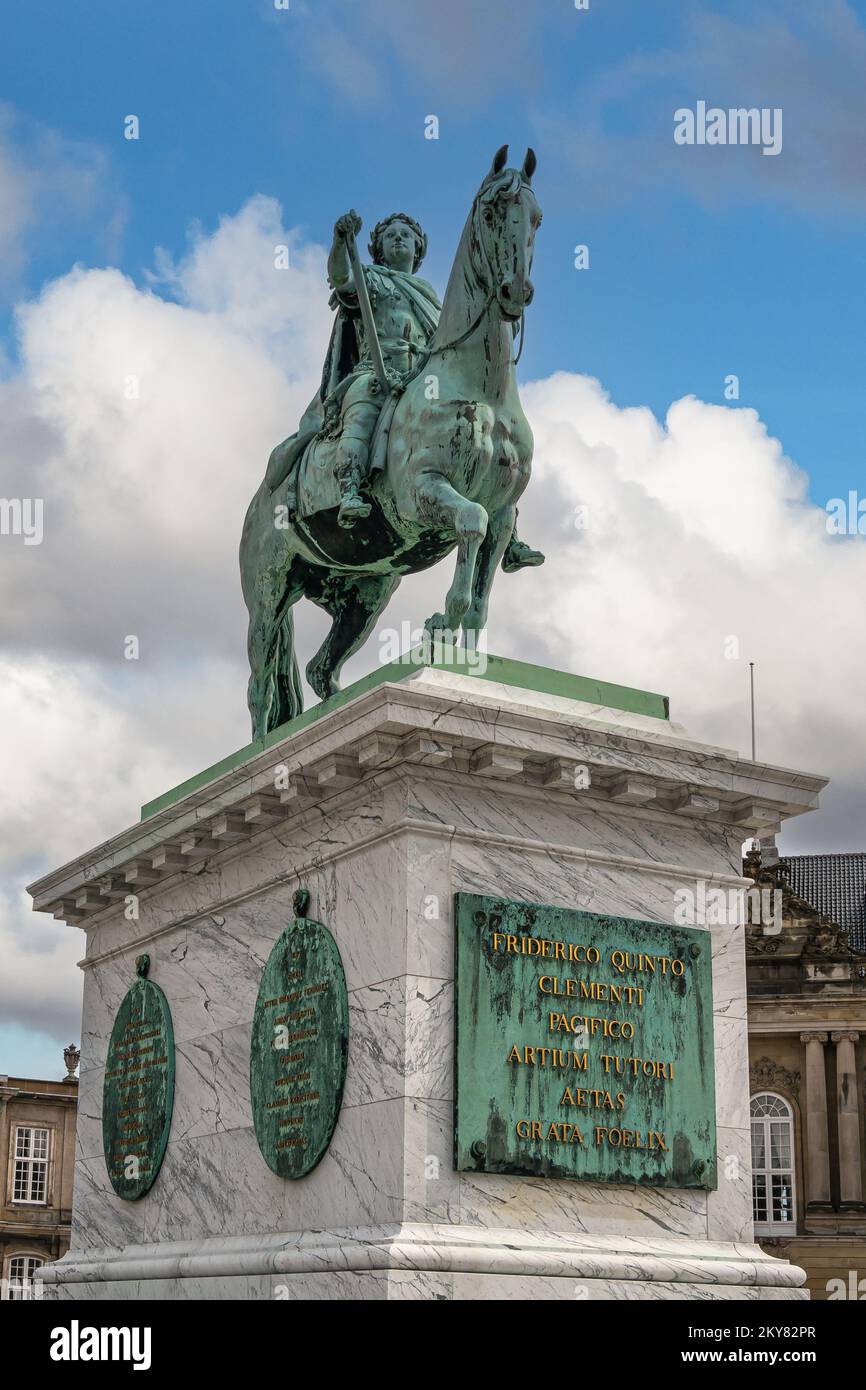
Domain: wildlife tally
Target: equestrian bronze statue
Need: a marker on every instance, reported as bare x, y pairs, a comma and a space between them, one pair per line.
415, 445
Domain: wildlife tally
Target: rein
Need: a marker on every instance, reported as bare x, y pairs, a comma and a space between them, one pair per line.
522, 332
482, 280
456, 342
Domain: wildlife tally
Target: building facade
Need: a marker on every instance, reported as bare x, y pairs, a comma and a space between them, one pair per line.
806, 1000
37, 1156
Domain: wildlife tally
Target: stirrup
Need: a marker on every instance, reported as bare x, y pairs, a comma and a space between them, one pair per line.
351, 510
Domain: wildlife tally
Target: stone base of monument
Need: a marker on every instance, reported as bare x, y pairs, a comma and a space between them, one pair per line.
523, 787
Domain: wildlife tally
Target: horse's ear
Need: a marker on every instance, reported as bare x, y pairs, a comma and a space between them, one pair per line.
499, 159
530, 164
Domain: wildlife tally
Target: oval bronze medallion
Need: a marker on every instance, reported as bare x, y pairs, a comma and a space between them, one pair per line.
299, 1047
138, 1092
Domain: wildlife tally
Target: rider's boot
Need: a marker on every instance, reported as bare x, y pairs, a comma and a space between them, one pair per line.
518, 554
351, 458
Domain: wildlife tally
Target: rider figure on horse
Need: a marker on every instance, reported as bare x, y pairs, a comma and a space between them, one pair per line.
405, 311
347, 409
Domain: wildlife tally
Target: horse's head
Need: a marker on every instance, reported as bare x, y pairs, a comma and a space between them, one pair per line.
506, 218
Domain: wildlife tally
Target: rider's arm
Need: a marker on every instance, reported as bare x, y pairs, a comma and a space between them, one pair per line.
340, 275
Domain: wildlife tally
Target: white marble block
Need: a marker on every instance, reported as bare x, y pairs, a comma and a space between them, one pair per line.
384, 806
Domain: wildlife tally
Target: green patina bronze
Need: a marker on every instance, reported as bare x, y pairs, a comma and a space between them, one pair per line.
138, 1091
415, 444
299, 1046
535, 1021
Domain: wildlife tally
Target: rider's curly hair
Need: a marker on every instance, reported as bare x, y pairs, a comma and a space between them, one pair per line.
375, 246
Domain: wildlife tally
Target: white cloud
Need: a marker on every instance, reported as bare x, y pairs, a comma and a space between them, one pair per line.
698, 529
234, 273
80, 752
145, 426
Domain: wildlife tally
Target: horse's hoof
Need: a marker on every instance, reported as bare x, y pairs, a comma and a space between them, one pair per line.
438, 629
324, 685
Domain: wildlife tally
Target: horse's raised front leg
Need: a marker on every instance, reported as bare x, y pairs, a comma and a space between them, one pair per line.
442, 505
499, 532
354, 603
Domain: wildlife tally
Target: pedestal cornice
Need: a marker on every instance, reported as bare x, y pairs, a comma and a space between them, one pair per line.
443, 722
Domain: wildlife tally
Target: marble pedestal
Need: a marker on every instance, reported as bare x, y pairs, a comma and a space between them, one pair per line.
415, 784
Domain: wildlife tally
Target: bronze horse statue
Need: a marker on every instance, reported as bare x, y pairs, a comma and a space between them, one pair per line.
459, 454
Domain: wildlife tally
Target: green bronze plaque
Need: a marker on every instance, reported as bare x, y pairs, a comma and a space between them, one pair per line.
138, 1091
299, 1048
584, 1046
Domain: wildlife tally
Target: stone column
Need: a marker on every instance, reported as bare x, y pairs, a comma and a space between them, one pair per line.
817, 1141
850, 1180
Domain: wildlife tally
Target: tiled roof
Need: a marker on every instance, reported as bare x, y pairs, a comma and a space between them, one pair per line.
835, 884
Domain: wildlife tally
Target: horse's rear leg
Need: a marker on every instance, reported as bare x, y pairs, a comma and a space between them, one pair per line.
354, 603
438, 502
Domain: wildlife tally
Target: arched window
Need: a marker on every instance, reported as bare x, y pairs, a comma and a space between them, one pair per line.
772, 1165
21, 1271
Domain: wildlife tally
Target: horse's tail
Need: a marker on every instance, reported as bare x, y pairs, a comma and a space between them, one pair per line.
274, 694
287, 676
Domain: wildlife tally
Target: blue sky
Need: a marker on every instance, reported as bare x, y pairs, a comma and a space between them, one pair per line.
702, 262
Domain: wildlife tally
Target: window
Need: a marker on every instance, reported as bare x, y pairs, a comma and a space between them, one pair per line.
31, 1165
772, 1165
19, 1283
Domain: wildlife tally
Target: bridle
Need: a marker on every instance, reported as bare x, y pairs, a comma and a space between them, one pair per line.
485, 276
